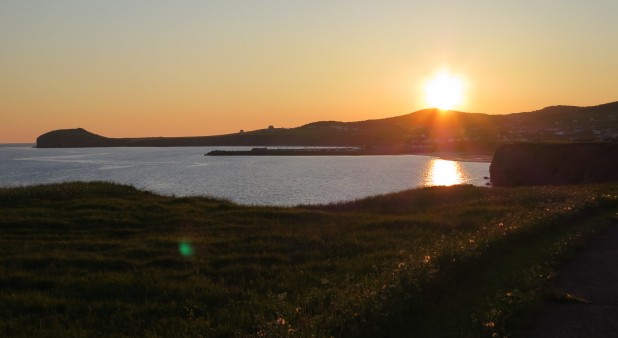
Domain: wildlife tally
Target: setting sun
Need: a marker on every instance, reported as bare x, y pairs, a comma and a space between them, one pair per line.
444, 91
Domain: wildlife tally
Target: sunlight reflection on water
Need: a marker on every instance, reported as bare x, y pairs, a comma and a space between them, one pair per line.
443, 172
261, 180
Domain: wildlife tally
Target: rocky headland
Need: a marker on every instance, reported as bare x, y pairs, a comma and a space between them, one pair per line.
526, 164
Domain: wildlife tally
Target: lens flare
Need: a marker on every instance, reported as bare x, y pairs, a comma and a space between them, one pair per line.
185, 249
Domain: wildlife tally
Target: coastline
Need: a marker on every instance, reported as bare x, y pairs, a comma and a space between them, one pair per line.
264, 151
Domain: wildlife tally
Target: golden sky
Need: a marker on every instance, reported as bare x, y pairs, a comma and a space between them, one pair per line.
177, 68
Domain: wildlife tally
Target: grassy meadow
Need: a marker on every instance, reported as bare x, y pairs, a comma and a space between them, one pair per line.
100, 259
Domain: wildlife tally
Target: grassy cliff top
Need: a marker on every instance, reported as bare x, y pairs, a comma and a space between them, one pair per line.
90, 259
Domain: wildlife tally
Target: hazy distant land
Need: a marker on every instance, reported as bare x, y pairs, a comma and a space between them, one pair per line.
428, 130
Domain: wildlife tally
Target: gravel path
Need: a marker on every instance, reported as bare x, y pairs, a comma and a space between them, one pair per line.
591, 279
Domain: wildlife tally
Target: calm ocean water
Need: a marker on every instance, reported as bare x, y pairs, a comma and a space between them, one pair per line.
261, 180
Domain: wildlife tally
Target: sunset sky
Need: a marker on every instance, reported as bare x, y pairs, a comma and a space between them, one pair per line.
180, 68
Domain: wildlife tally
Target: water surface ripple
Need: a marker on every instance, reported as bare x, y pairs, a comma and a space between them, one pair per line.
262, 180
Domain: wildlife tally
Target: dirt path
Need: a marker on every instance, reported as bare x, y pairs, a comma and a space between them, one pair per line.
591, 279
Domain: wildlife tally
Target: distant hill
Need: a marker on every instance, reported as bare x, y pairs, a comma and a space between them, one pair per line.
424, 130
69, 138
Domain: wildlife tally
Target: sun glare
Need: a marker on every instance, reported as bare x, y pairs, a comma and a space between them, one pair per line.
443, 172
444, 91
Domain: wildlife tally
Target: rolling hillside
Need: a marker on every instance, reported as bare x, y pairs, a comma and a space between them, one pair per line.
424, 130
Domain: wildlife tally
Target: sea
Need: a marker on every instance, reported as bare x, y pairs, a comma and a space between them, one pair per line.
250, 180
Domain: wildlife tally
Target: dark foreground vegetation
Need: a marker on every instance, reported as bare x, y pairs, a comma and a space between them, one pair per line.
97, 259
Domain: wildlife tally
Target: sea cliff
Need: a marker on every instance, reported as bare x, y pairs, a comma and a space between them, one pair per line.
551, 164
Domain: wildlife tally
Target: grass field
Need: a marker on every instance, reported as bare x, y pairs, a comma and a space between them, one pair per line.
99, 259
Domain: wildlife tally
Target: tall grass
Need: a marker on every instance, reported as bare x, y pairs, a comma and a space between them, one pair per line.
99, 259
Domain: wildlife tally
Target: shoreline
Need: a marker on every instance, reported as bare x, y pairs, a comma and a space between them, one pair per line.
264, 151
